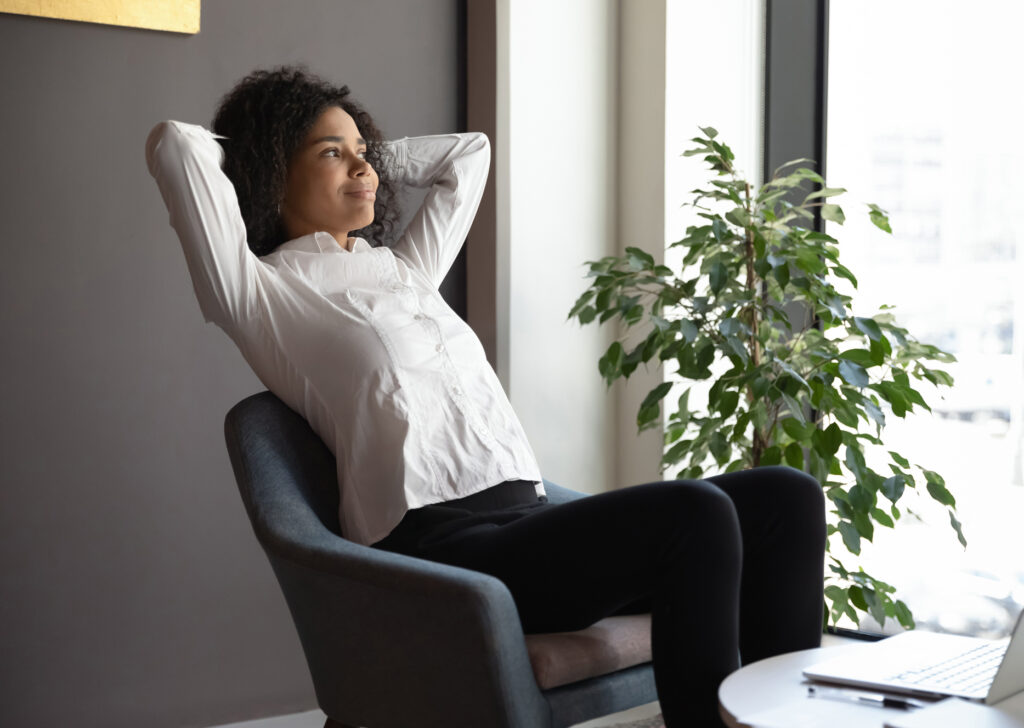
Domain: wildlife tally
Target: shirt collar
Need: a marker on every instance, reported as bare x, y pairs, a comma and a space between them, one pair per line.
321, 243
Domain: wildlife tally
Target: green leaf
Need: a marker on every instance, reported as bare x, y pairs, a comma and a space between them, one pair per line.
794, 456
853, 373
827, 441
933, 477
810, 261
843, 272
899, 459
732, 327
604, 297
892, 488
782, 275
609, 364
839, 598
835, 305
797, 429
719, 446
771, 455
874, 412
958, 527
855, 460
659, 323
869, 327
736, 349
825, 192
880, 350
689, 330
858, 356
720, 229
903, 615
851, 538
639, 259
833, 213
794, 407
647, 416
879, 217
587, 314
861, 498
727, 403
788, 369
864, 525
939, 492
857, 597
717, 277
581, 302
656, 395
683, 406
737, 216
882, 517
876, 607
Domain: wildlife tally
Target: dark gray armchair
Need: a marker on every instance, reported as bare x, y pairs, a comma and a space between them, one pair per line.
398, 642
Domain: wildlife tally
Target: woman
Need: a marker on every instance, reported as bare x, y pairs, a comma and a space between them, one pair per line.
432, 460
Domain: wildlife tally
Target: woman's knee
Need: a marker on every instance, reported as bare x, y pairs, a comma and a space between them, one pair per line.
798, 490
779, 495
694, 500
703, 516
799, 499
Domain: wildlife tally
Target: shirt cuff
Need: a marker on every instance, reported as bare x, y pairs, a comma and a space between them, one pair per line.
399, 151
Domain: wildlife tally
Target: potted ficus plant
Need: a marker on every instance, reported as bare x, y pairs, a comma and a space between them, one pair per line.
815, 396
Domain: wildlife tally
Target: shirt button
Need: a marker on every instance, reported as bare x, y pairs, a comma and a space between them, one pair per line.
439, 347
456, 391
418, 317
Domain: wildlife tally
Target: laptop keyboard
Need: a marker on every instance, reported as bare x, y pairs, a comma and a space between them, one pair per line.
971, 672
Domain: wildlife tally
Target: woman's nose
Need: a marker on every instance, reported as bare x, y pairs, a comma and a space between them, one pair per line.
361, 168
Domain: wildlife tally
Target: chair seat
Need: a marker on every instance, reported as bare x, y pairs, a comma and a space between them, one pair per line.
612, 644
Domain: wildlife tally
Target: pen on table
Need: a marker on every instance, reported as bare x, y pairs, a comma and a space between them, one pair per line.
865, 698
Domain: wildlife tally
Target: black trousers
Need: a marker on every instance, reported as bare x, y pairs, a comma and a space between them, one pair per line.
730, 568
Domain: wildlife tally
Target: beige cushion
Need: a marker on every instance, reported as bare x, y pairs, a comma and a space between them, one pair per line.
614, 643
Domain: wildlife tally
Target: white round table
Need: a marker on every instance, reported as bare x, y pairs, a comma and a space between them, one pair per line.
773, 693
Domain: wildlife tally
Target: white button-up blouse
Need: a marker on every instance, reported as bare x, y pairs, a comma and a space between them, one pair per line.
358, 342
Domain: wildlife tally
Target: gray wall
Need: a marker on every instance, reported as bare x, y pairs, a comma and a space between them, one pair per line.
132, 590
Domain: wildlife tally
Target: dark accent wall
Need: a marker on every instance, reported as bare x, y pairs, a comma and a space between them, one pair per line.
132, 590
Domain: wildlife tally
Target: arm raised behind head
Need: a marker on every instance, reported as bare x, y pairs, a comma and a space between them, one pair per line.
185, 160
454, 168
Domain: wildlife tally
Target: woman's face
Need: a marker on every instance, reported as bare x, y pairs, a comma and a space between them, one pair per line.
330, 187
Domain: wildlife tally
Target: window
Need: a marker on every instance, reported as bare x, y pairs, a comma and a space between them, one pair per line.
923, 121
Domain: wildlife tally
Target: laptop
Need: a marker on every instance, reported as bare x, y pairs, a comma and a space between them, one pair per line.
933, 665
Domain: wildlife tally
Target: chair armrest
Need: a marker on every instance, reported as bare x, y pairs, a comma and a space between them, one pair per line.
450, 637
557, 494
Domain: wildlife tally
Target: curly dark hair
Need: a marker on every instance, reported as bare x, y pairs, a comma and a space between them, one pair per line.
265, 117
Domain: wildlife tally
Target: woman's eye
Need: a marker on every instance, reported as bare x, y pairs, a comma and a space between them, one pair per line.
361, 154
331, 153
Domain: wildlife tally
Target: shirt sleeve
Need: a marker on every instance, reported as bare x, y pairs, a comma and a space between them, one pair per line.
454, 168
185, 160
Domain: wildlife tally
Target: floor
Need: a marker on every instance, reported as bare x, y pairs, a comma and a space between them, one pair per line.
315, 719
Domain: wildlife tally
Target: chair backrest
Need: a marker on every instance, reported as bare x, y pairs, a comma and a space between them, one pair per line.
286, 475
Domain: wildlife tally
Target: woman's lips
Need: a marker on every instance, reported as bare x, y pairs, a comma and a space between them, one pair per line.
362, 194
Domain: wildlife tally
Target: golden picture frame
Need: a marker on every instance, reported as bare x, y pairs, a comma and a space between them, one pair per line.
179, 16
